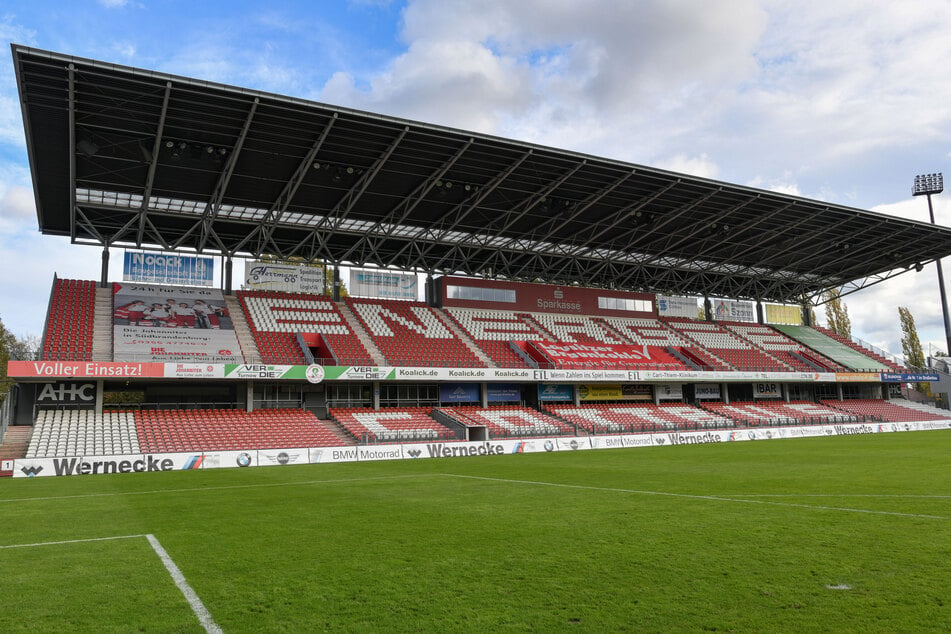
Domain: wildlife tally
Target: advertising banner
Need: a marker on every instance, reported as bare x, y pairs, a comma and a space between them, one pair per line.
229, 459
283, 456
168, 323
766, 390
459, 392
729, 310
903, 377
675, 306
623, 355
160, 268
783, 314
503, 392
333, 454
386, 284
706, 390
614, 392
572, 444
284, 276
557, 392
670, 391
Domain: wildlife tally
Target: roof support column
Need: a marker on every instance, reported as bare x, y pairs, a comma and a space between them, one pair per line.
337, 285
759, 312
227, 274
707, 309
104, 273
807, 314
431, 299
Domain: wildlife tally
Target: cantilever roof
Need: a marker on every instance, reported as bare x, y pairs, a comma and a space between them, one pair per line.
137, 158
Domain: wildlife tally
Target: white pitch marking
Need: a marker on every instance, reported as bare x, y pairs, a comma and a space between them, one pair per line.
72, 541
204, 616
699, 497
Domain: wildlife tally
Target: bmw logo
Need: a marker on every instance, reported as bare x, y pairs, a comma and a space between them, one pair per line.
244, 460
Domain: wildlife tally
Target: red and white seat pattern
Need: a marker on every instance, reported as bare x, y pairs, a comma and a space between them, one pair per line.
69, 324
492, 330
400, 424
775, 412
509, 421
577, 328
782, 347
412, 334
276, 317
720, 342
641, 417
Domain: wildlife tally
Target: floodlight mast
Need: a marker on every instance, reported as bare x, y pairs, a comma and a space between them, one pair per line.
926, 185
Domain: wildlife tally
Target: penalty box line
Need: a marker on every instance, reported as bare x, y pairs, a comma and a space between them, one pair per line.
713, 498
194, 602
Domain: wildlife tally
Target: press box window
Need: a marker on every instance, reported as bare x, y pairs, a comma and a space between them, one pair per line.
481, 294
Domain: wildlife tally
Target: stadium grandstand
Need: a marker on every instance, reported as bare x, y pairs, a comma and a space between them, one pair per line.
502, 296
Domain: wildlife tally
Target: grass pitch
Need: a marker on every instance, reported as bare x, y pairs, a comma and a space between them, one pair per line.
825, 534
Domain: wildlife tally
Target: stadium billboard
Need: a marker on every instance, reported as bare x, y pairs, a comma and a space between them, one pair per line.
673, 306
284, 276
384, 284
158, 268
172, 323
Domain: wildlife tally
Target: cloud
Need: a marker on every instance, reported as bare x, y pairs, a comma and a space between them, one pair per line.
17, 209
581, 75
700, 166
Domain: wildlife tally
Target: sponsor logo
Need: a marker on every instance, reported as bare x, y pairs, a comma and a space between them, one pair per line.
282, 457
452, 451
32, 470
693, 439
366, 372
258, 371
243, 460
549, 445
842, 430
67, 392
77, 466
414, 453
573, 444
314, 373
193, 462
344, 454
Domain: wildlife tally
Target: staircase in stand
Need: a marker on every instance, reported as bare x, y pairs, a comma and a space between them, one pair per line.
102, 326
16, 440
362, 334
464, 337
249, 349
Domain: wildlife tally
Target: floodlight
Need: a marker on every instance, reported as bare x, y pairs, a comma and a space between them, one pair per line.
927, 184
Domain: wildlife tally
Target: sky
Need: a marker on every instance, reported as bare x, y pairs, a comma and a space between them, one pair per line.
842, 101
